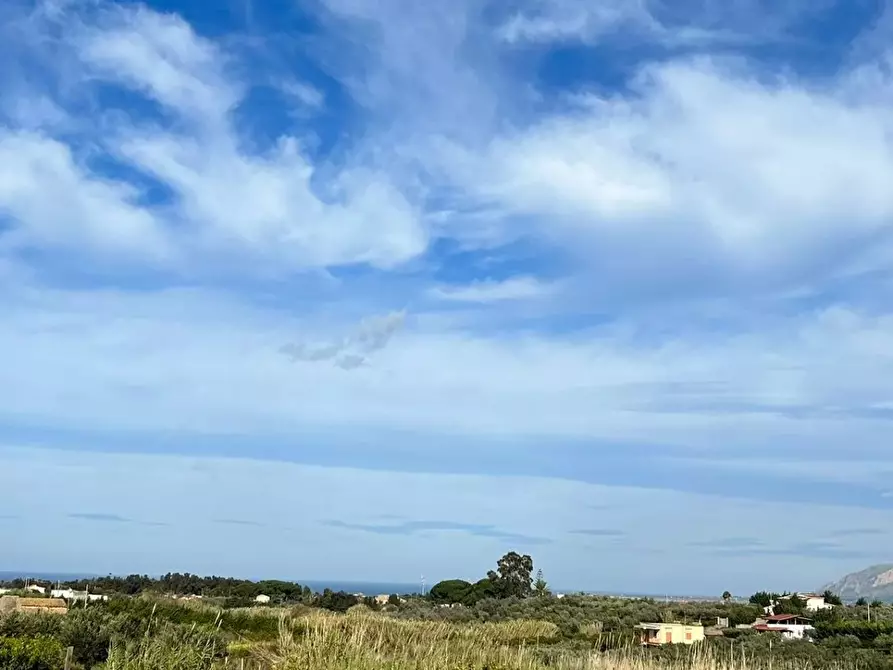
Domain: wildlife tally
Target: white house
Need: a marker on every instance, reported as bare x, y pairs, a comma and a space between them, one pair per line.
71, 594
262, 599
815, 602
791, 626
34, 588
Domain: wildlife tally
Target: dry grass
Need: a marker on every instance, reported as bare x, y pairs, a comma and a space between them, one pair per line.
367, 641
370, 642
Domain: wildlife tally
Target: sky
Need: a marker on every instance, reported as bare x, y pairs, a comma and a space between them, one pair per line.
377, 289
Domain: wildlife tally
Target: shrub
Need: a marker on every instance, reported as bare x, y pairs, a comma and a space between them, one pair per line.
31, 653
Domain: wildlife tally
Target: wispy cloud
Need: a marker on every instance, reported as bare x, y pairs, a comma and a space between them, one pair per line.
599, 532
729, 543
101, 517
307, 96
488, 291
417, 527
808, 550
858, 532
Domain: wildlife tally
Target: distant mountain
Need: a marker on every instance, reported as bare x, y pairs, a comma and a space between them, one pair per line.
874, 583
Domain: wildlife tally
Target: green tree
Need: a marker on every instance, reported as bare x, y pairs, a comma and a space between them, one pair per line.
726, 596
451, 591
862, 602
832, 598
394, 600
540, 587
485, 588
763, 598
336, 601
793, 604
513, 576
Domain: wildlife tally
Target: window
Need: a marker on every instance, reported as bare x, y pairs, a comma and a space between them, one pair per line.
668, 636
688, 635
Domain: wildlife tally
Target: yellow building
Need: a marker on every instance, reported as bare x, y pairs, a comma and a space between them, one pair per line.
670, 633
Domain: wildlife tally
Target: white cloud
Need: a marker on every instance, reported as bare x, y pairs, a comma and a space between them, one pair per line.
230, 207
201, 362
514, 288
308, 96
570, 19
54, 202
672, 25
758, 178
161, 56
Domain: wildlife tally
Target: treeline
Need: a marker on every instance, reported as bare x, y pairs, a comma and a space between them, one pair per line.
226, 592
189, 584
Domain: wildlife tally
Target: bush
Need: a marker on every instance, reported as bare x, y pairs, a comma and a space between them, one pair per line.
31, 653
17, 624
88, 631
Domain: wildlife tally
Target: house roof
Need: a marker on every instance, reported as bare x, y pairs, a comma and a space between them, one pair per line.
658, 626
763, 628
43, 603
786, 617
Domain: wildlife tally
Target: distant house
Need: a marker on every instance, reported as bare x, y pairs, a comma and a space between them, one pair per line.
655, 634
262, 599
382, 599
32, 605
791, 626
77, 596
34, 588
813, 602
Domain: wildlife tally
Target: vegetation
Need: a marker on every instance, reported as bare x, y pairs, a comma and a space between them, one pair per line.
505, 621
139, 634
211, 587
512, 578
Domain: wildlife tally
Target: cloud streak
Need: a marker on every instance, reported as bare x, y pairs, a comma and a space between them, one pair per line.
422, 527
599, 532
104, 517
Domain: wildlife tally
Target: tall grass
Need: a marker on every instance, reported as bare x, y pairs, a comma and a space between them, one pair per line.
362, 640
369, 642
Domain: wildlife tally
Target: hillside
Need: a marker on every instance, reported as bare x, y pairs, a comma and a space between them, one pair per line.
874, 583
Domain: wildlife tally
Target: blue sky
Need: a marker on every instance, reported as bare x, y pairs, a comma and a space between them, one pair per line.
344, 289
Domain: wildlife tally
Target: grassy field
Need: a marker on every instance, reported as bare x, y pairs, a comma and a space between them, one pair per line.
368, 641
160, 634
